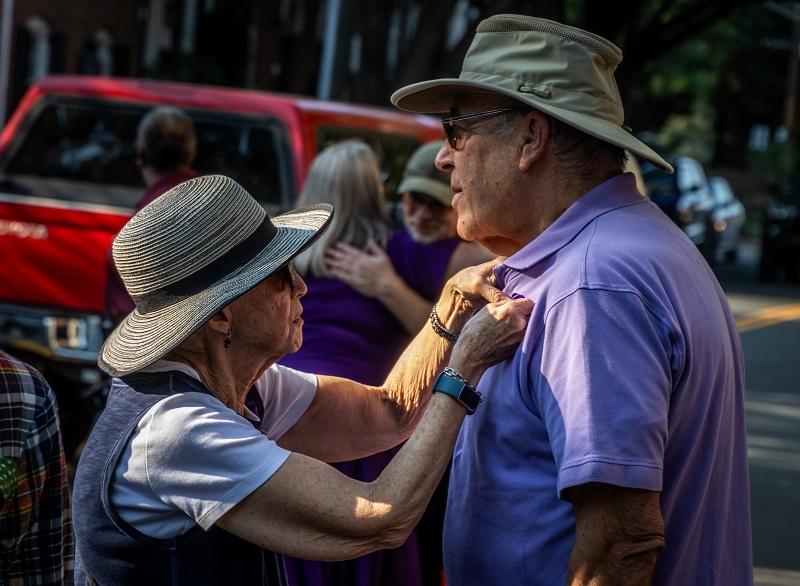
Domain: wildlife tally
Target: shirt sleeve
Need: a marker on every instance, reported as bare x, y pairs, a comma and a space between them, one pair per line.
203, 458
603, 390
286, 394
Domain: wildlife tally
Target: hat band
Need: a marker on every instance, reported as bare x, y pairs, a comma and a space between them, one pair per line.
210, 274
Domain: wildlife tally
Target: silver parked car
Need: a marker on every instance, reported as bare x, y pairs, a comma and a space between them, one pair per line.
686, 198
727, 218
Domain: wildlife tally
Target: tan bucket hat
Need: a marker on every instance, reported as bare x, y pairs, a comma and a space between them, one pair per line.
422, 176
561, 70
191, 252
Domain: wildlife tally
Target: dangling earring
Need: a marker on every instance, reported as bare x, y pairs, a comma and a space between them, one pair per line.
227, 342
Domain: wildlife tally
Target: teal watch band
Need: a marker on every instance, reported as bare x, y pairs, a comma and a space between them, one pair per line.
451, 383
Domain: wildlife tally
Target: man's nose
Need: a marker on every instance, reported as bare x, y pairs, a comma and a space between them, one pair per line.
444, 158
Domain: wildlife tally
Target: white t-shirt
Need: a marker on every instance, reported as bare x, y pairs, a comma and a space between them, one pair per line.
191, 459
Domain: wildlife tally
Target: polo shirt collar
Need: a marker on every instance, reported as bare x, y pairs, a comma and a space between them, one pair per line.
617, 192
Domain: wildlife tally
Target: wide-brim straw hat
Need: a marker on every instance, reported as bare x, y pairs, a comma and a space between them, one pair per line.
191, 252
563, 71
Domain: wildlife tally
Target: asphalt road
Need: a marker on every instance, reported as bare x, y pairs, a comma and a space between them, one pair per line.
768, 319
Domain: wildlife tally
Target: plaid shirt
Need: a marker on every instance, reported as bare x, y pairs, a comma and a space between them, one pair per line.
35, 522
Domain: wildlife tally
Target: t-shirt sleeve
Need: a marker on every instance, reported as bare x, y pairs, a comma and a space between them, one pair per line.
286, 393
603, 390
203, 458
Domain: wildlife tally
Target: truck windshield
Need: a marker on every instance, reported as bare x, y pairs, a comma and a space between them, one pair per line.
84, 150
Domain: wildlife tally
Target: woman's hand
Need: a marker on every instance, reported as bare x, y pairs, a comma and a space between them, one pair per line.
476, 285
370, 272
491, 335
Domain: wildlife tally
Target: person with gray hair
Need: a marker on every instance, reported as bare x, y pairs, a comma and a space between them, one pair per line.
616, 452
433, 250
209, 456
166, 146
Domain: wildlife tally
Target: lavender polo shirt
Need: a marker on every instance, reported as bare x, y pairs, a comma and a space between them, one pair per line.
630, 374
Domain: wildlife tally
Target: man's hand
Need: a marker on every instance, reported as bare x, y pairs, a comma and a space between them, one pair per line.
370, 272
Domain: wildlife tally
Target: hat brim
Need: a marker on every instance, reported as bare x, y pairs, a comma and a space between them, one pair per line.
141, 339
436, 97
435, 189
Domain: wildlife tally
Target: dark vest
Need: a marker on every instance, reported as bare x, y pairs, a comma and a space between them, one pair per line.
111, 551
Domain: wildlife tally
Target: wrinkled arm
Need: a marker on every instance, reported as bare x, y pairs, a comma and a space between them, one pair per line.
308, 509
348, 420
618, 534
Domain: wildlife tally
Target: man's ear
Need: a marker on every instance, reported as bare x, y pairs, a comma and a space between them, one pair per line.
536, 137
221, 321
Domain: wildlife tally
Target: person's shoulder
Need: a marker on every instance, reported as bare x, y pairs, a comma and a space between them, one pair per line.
398, 239
19, 375
279, 375
184, 417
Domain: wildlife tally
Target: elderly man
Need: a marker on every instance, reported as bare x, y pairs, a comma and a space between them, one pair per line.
616, 452
433, 252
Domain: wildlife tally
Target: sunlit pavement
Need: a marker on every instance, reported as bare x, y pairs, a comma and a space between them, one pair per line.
768, 319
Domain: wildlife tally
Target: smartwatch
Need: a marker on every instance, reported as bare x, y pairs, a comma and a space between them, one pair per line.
453, 384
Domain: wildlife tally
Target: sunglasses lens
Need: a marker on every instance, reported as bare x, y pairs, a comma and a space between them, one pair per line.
450, 133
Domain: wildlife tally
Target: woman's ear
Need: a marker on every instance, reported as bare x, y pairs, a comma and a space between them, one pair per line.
535, 137
221, 321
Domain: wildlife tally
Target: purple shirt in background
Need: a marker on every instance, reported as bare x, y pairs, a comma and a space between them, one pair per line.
630, 374
349, 335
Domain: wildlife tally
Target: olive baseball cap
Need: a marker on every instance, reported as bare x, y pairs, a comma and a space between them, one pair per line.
563, 71
422, 176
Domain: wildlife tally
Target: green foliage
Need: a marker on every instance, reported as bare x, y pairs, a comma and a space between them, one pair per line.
690, 134
777, 164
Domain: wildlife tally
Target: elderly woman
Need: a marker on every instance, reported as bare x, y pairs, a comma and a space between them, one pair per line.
209, 456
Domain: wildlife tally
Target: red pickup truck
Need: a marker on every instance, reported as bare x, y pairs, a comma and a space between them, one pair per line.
68, 182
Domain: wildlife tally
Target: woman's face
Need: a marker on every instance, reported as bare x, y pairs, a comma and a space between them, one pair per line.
266, 319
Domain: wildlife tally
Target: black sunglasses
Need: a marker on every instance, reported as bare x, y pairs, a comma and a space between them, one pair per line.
455, 138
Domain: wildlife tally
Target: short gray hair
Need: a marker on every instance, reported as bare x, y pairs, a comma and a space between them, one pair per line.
580, 153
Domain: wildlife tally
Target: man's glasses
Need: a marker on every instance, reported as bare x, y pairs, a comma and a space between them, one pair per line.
455, 133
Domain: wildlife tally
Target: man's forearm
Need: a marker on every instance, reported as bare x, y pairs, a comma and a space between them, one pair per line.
618, 534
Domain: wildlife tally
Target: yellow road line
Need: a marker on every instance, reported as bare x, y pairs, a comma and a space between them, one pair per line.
768, 316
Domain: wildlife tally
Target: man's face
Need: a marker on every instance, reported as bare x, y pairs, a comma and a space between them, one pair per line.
481, 173
427, 219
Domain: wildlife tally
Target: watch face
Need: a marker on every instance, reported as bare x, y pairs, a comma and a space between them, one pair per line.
470, 398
